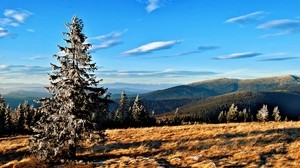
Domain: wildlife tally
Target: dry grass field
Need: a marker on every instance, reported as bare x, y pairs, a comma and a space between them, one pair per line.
208, 145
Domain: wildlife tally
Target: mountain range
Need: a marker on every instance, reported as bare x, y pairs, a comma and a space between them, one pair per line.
204, 98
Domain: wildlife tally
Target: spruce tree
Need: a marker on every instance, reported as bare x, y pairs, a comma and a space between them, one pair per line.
232, 114
5, 118
2, 115
8, 121
222, 117
20, 119
139, 113
276, 114
263, 114
77, 104
122, 114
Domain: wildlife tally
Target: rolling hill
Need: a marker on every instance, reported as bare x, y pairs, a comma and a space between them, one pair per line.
212, 96
209, 109
222, 86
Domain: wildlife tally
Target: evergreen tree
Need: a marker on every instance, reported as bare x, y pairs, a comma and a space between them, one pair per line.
222, 117
20, 119
245, 115
139, 113
276, 114
232, 114
8, 121
69, 115
263, 114
2, 115
122, 114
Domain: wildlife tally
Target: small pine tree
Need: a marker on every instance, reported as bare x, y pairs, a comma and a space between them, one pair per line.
222, 117
246, 115
276, 114
176, 111
263, 114
232, 114
139, 113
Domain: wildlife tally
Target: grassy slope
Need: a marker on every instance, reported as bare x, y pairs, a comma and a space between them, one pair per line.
222, 145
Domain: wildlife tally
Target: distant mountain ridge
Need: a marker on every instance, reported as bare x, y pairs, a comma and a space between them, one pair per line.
222, 86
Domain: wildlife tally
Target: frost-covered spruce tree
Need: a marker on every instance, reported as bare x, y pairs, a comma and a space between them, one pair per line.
276, 114
77, 102
139, 113
232, 114
5, 118
122, 113
263, 114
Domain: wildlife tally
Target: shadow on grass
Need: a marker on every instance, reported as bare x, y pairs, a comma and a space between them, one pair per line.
10, 156
154, 147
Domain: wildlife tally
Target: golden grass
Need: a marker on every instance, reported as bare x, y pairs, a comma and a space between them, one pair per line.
208, 145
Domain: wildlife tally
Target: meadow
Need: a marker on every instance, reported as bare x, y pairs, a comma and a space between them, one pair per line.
270, 144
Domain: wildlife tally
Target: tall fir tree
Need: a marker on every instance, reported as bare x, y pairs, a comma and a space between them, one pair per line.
2, 115
77, 106
6, 126
122, 114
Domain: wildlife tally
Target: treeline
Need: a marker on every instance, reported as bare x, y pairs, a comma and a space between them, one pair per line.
19, 120
233, 114
135, 115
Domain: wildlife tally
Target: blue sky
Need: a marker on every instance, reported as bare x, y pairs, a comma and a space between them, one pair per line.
154, 41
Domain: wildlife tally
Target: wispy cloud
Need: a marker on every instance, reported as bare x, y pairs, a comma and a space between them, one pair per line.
285, 26
12, 18
278, 57
238, 55
207, 48
3, 32
200, 49
30, 30
249, 18
106, 40
16, 16
154, 46
23, 69
39, 57
27, 74
168, 73
152, 5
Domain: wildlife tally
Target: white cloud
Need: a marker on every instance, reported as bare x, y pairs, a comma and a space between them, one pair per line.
13, 18
3, 32
106, 40
17, 15
249, 18
39, 57
239, 55
152, 5
200, 49
285, 26
148, 48
30, 30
